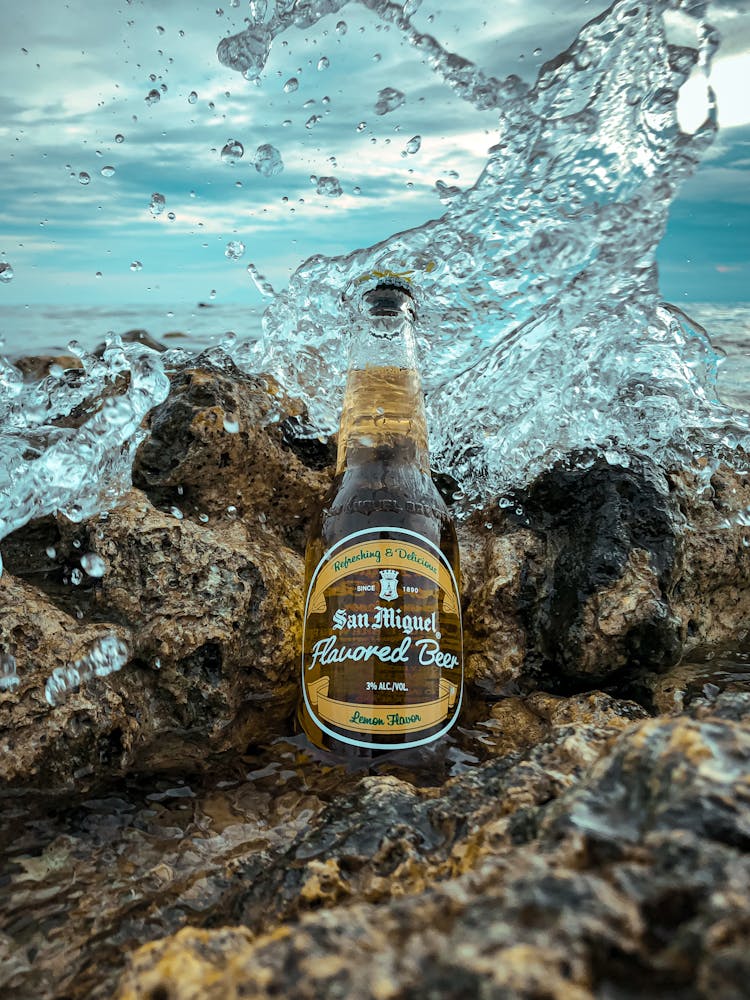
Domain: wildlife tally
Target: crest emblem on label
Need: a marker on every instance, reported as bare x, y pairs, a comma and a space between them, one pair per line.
388, 584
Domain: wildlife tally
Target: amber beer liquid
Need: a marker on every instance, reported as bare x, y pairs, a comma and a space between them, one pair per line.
382, 652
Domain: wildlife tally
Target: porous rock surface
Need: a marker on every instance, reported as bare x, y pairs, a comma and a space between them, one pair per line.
609, 861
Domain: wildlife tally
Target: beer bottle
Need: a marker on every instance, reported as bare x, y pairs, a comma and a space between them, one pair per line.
382, 654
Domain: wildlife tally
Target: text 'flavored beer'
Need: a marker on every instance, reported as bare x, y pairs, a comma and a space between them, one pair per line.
382, 654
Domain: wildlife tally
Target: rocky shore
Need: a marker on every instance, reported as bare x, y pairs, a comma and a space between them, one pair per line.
585, 833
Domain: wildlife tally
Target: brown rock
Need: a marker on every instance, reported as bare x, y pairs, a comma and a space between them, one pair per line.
494, 567
711, 596
604, 569
92, 733
38, 366
634, 882
224, 440
212, 616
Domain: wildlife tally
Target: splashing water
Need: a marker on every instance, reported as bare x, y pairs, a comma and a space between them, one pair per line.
8, 675
50, 463
541, 324
268, 160
106, 655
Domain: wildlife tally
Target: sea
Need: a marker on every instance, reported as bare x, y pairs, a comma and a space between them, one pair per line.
49, 329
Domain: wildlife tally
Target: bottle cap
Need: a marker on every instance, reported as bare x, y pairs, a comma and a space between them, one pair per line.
390, 297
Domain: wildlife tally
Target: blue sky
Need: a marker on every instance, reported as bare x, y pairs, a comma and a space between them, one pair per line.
74, 76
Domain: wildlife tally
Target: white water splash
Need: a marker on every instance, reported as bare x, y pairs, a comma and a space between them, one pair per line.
105, 656
540, 317
69, 440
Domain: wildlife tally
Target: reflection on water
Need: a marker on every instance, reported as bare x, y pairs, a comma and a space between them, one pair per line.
83, 883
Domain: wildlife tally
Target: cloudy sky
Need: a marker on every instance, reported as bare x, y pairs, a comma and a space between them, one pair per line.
83, 150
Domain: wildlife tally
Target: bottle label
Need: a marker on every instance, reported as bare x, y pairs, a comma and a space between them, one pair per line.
382, 654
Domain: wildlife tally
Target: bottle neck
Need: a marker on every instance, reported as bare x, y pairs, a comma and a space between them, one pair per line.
383, 418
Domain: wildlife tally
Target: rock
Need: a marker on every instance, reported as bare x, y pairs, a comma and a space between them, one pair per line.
36, 367
711, 594
604, 570
634, 880
598, 578
211, 613
494, 568
92, 733
211, 440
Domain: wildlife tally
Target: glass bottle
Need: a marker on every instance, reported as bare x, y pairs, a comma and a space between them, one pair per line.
382, 656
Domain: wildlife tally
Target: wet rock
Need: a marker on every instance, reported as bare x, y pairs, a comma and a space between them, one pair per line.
92, 733
494, 569
711, 593
35, 367
594, 572
212, 448
630, 877
211, 615
134, 337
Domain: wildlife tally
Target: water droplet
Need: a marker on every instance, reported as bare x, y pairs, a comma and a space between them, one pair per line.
119, 137
268, 160
159, 29
93, 564
329, 186
447, 192
157, 204
231, 425
286, 123
107, 171
98, 274
6, 272
341, 28
84, 178
171, 216
291, 85
362, 126
9, 679
262, 283
323, 63
411, 7
192, 97
312, 121
232, 151
357, 190
234, 249
388, 100
153, 97
413, 145
537, 52
76, 576
232, 511
136, 266
51, 552
203, 518
176, 512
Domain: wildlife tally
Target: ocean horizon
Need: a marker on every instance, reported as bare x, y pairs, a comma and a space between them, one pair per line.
48, 329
